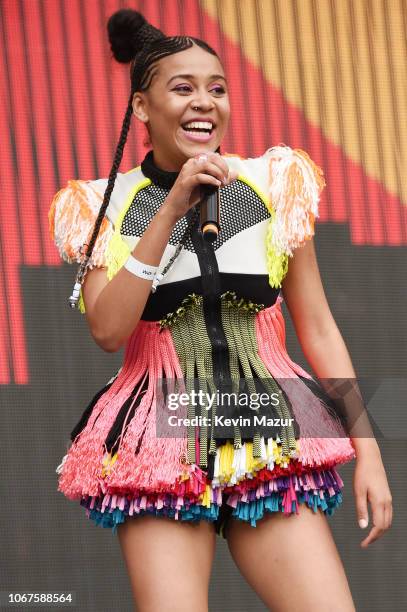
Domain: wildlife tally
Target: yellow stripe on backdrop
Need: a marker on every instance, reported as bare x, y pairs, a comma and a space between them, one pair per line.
342, 63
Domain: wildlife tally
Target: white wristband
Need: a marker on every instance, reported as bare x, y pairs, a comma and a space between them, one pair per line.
140, 269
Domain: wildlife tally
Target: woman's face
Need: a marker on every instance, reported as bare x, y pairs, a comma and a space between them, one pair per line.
169, 103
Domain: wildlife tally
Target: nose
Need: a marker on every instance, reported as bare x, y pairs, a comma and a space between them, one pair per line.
203, 100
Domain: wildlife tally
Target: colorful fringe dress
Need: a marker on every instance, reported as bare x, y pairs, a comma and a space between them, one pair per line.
216, 318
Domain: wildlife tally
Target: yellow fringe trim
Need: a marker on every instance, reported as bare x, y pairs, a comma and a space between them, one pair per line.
277, 265
204, 498
108, 462
117, 249
252, 465
295, 184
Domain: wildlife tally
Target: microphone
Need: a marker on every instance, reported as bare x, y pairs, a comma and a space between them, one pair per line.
209, 212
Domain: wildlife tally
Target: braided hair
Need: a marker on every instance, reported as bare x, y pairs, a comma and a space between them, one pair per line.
133, 40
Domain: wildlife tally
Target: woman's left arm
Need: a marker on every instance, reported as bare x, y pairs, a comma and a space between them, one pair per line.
326, 352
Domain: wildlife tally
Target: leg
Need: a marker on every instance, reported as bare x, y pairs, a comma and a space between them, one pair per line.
291, 562
169, 562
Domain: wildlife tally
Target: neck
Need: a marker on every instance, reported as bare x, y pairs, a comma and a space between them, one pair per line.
163, 178
168, 164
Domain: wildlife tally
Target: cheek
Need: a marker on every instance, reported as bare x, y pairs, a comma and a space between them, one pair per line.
225, 118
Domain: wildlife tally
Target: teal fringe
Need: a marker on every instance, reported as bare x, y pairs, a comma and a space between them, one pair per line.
255, 510
250, 512
194, 514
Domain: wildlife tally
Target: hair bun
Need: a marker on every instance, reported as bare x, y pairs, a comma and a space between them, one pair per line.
128, 33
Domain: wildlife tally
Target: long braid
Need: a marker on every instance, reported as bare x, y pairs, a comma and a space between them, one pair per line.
113, 173
74, 298
133, 40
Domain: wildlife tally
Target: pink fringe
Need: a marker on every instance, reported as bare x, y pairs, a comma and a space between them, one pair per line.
323, 439
157, 466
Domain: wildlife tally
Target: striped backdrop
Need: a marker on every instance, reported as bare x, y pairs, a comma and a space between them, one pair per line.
328, 76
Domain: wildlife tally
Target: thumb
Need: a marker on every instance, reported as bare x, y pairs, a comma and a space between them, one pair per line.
361, 510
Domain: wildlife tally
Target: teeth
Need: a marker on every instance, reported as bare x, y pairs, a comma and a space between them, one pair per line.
204, 125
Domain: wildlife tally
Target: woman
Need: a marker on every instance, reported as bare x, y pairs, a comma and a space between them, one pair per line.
187, 310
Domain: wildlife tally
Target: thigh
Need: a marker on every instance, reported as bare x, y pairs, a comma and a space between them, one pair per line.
291, 562
169, 562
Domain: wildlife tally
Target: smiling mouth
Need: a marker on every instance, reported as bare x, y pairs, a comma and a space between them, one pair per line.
199, 129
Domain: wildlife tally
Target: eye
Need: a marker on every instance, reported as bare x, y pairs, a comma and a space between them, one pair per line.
219, 90
182, 88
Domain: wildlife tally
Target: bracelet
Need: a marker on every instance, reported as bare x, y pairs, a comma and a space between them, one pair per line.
140, 269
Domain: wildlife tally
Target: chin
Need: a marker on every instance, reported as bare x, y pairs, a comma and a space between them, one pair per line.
202, 148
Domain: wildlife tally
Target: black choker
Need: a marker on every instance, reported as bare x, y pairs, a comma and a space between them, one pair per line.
163, 178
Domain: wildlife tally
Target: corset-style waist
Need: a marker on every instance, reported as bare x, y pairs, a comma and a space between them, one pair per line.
179, 347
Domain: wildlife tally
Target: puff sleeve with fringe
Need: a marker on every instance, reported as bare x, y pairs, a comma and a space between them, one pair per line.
72, 217
295, 183
291, 184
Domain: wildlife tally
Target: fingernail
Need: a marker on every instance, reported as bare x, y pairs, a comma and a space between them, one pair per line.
362, 523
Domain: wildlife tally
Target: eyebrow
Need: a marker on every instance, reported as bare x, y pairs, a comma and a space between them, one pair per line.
191, 76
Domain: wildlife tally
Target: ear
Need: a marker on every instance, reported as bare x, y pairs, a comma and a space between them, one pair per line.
139, 105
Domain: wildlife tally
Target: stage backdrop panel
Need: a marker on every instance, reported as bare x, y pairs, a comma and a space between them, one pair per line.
327, 77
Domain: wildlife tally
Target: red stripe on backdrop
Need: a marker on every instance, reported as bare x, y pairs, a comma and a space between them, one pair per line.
170, 17
153, 12
68, 114
40, 116
78, 86
97, 90
61, 122
23, 181
7, 182
24, 217
119, 91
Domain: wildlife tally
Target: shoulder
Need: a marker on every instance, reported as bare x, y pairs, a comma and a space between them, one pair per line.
273, 171
74, 210
87, 195
290, 183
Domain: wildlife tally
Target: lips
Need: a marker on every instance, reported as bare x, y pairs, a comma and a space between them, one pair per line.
198, 136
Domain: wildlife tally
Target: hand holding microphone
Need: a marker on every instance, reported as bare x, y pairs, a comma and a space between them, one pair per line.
210, 206
204, 171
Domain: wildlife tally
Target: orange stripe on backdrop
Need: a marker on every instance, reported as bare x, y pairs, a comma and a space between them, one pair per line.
326, 59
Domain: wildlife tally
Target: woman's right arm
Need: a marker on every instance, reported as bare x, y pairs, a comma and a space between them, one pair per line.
114, 308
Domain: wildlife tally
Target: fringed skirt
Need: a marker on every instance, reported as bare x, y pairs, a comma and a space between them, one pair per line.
126, 459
